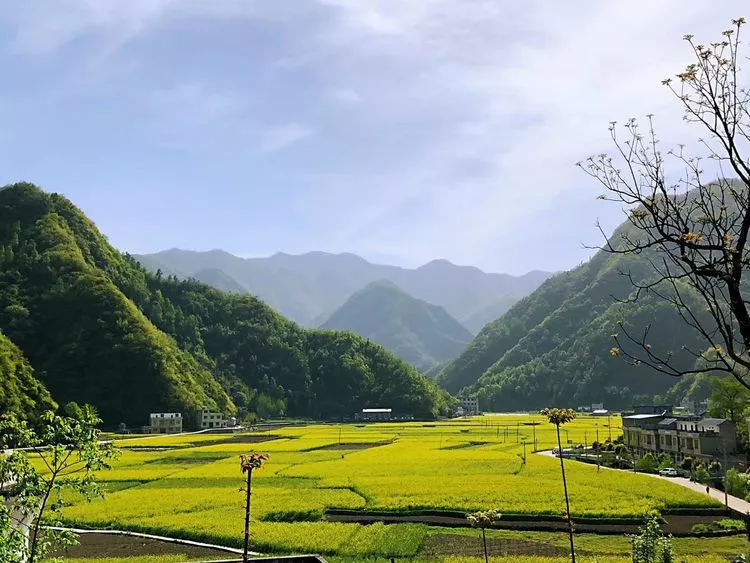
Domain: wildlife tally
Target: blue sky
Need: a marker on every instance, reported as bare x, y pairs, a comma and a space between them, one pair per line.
400, 131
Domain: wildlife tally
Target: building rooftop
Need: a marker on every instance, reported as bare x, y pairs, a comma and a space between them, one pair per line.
377, 410
600, 411
642, 416
717, 421
667, 421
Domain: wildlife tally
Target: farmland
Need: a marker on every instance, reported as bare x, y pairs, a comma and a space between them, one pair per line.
188, 486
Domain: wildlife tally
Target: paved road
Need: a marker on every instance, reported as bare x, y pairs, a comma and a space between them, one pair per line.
735, 503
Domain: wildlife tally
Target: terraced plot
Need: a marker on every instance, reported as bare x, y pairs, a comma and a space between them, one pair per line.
190, 487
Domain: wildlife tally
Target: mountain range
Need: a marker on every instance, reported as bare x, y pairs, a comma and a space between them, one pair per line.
309, 288
553, 346
420, 333
80, 321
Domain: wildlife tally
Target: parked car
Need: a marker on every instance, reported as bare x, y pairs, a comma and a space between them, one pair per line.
669, 472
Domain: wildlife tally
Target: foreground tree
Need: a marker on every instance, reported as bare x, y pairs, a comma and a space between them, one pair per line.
483, 520
692, 227
62, 453
651, 545
558, 417
248, 463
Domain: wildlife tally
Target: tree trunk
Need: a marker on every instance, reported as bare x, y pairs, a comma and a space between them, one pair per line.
247, 515
567, 502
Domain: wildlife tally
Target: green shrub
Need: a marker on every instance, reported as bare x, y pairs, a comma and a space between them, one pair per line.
700, 528
731, 524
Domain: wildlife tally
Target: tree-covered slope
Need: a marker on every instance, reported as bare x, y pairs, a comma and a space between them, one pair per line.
553, 347
98, 328
87, 342
20, 392
422, 334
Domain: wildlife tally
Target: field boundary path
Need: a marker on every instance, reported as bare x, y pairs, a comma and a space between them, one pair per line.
735, 503
165, 539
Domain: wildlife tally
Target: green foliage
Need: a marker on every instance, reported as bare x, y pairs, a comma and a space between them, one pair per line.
701, 474
20, 392
651, 546
65, 455
97, 328
736, 483
729, 399
647, 464
553, 347
420, 333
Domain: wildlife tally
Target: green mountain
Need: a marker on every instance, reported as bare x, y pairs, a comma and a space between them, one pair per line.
553, 347
219, 280
20, 392
310, 287
476, 322
422, 334
98, 328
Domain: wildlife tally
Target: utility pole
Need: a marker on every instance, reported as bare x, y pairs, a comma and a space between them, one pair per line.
524, 451
534, 430
609, 424
726, 495
339, 434
516, 432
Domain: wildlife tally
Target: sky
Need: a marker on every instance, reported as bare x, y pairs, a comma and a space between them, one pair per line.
402, 131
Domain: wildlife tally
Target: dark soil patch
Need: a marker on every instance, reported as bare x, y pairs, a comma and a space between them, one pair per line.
677, 525
351, 446
682, 524
454, 544
111, 545
251, 439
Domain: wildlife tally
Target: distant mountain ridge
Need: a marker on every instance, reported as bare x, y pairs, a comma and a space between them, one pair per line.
420, 333
309, 288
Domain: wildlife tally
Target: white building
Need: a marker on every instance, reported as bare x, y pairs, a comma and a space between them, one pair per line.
165, 423
207, 419
470, 406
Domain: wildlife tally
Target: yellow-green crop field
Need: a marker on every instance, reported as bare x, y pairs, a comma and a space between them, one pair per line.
189, 486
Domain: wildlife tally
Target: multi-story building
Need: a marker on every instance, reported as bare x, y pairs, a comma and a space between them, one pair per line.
681, 436
165, 423
469, 406
207, 419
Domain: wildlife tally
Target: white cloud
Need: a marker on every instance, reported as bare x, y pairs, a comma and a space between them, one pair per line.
528, 91
282, 136
469, 115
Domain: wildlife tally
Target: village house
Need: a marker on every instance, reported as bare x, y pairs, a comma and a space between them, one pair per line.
165, 423
658, 430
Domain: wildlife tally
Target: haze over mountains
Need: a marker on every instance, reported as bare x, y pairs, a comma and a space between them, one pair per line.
422, 334
309, 288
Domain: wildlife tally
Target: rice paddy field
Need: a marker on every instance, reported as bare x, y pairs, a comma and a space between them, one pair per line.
189, 486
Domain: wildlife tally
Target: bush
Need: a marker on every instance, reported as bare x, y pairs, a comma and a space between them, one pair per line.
647, 464
686, 463
737, 483
731, 524
700, 528
701, 474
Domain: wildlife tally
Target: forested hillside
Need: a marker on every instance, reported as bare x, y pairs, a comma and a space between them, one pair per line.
422, 334
553, 347
20, 392
97, 328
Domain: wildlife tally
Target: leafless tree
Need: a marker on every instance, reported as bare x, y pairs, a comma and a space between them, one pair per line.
691, 227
